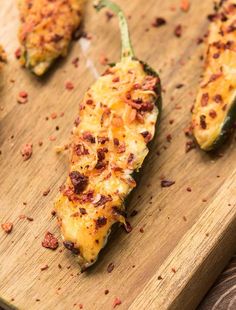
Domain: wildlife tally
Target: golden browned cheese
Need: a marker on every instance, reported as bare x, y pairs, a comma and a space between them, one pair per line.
117, 119
46, 29
218, 88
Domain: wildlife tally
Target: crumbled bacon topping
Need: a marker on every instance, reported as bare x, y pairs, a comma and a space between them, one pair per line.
71, 246
79, 181
87, 136
102, 200
149, 83
101, 221
80, 149
203, 121
204, 99
147, 136
50, 241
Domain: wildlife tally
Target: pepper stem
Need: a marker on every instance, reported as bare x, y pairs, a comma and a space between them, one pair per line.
127, 50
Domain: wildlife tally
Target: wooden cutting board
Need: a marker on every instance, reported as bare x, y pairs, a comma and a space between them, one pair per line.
187, 236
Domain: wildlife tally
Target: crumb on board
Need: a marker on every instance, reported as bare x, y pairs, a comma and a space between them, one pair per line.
50, 241
26, 151
7, 227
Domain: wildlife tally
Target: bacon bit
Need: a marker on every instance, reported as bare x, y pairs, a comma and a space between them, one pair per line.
130, 158
200, 41
69, 85
147, 136
79, 181
100, 222
53, 115
204, 99
87, 136
121, 148
53, 212
50, 241
44, 268
75, 62
213, 78
216, 55
158, 22
218, 98
100, 165
102, 200
116, 79
27, 151
18, 53
150, 83
7, 227
212, 113
178, 31
52, 138
82, 211
103, 140
80, 150
117, 121
185, 5
103, 60
116, 141
116, 302
110, 267
46, 192
167, 183
203, 122
190, 145
169, 138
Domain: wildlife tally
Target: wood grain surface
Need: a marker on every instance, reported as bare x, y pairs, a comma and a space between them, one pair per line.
187, 237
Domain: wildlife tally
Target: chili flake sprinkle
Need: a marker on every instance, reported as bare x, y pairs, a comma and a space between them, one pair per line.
7, 227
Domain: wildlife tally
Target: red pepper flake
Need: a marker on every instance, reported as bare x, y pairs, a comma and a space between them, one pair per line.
50, 241
110, 267
27, 151
69, 85
213, 114
116, 302
52, 138
185, 5
18, 53
75, 62
7, 227
44, 268
22, 97
203, 122
53, 115
46, 192
167, 183
204, 99
169, 138
141, 230
158, 22
178, 31
188, 189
